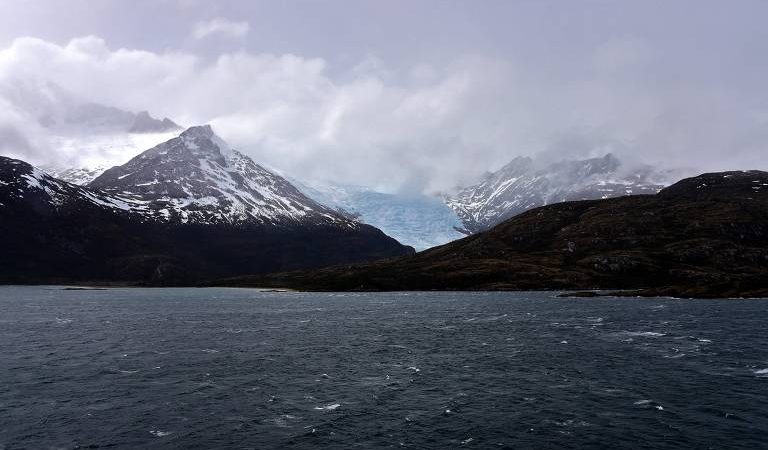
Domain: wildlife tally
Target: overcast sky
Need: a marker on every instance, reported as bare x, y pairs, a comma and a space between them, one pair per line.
415, 95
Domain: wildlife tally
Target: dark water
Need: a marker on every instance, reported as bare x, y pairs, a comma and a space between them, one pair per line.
227, 368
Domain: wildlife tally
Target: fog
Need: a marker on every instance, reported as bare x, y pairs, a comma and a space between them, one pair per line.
403, 96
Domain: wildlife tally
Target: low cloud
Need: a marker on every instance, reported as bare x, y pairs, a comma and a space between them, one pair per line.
425, 128
220, 26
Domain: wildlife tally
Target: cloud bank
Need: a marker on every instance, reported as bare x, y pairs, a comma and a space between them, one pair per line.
423, 128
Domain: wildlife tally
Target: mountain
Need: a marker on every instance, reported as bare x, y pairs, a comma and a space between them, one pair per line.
188, 209
56, 108
197, 178
705, 236
417, 220
522, 185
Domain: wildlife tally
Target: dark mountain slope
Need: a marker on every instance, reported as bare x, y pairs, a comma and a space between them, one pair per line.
704, 236
53, 232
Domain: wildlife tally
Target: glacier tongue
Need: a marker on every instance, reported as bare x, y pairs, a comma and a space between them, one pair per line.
420, 221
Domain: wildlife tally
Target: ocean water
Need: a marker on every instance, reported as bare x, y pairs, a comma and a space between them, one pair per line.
237, 368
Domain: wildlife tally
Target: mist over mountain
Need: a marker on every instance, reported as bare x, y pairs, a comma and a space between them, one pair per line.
60, 130
420, 220
525, 183
425, 110
393, 132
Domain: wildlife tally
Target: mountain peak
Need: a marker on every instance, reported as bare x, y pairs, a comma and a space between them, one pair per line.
197, 178
198, 131
143, 122
521, 185
202, 142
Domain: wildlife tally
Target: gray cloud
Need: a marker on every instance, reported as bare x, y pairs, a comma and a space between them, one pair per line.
368, 93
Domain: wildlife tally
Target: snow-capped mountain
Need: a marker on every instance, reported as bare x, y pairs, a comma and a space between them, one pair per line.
420, 221
187, 210
522, 185
197, 178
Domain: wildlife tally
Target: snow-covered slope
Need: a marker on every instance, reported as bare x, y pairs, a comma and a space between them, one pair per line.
22, 181
417, 220
522, 185
79, 176
197, 178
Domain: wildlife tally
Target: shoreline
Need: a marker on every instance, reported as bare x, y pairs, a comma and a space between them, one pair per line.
557, 293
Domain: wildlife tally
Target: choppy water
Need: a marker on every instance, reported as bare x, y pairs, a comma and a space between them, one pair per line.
230, 368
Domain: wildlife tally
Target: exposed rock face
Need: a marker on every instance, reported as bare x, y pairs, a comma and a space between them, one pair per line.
703, 236
522, 185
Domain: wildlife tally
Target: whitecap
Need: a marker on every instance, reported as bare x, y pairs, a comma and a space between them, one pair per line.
158, 433
761, 372
644, 333
495, 318
330, 407
649, 403
209, 350
467, 441
415, 369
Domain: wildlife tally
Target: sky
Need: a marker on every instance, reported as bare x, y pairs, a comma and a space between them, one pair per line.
409, 96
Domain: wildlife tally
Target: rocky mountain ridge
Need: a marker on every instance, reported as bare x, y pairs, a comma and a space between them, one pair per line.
522, 184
